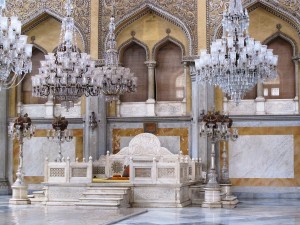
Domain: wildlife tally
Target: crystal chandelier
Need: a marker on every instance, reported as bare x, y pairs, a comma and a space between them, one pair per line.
60, 134
115, 80
66, 74
15, 54
236, 62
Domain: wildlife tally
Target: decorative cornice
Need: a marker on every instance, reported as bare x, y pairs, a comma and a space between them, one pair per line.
174, 119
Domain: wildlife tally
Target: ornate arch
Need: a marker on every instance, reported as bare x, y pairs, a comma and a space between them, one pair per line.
168, 38
284, 37
42, 15
270, 7
40, 48
144, 9
135, 41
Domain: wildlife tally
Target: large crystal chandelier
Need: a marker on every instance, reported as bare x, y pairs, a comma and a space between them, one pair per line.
15, 54
236, 62
115, 80
66, 74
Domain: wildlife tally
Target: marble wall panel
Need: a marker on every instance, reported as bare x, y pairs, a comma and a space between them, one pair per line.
182, 133
38, 148
288, 180
262, 156
33, 153
172, 143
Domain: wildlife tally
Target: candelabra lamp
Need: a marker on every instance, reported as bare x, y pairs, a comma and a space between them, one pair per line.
228, 200
60, 134
19, 130
216, 127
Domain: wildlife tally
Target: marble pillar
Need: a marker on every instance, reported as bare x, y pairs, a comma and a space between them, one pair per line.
4, 187
151, 87
260, 100
185, 75
102, 127
49, 107
296, 99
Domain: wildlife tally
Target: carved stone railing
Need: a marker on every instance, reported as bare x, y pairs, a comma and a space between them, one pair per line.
68, 172
146, 169
140, 109
46, 110
262, 107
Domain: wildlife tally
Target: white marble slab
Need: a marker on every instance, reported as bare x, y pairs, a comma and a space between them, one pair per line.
262, 156
37, 149
172, 143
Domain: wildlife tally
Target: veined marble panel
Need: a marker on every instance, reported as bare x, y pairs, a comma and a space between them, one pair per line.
37, 149
172, 143
262, 156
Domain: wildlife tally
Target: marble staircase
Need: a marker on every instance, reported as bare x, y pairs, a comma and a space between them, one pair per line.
37, 197
106, 197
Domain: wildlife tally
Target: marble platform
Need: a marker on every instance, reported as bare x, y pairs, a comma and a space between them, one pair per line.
248, 212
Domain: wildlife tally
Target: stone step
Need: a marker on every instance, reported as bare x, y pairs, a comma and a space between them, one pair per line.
107, 190
38, 194
116, 201
103, 195
102, 204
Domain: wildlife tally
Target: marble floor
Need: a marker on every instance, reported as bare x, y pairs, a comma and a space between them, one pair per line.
248, 212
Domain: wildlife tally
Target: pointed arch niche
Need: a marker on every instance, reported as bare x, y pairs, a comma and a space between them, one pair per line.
44, 32
147, 45
275, 29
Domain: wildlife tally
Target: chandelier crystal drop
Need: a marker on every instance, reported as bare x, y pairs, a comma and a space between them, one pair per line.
15, 53
66, 74
115, 80
236, 62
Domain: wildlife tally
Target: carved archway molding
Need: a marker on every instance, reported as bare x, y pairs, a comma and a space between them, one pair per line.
271, 7
133, 40
146, 8
40, 48
165, 40
284, 37
42, 15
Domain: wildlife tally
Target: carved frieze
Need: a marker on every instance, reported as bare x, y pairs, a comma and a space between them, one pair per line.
179, 12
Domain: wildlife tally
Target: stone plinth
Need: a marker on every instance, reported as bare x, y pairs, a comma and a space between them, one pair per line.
228, 200
19, 195
212, 198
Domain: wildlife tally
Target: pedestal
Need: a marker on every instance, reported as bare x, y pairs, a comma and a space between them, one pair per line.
212, 198
228, 200
19, 195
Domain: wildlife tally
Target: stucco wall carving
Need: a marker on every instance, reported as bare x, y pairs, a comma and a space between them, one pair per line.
28, 11
180, 12
288, 10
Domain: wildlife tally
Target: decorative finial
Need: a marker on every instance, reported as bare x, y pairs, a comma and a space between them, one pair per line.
278, 26
168, 31
132, 33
